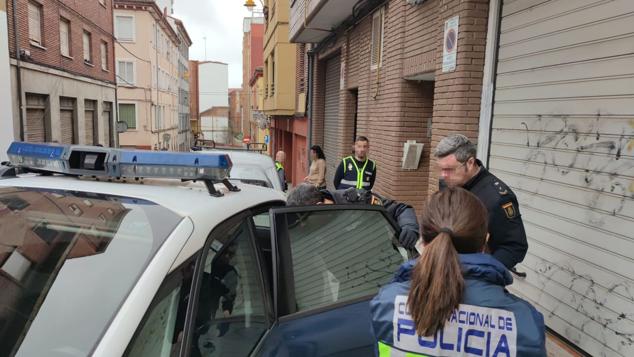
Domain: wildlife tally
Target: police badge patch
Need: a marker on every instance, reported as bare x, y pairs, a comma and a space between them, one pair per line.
510, 210
349, 167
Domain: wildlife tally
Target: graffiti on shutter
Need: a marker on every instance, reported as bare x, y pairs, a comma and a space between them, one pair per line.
563, 139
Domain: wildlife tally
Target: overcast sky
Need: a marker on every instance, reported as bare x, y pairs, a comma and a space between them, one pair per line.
221, 22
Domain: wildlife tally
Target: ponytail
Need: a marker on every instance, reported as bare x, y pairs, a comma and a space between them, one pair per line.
437, 285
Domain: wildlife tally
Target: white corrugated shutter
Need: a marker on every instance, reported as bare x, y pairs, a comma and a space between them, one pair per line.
331, 118
563, 138
66, 114
35, 118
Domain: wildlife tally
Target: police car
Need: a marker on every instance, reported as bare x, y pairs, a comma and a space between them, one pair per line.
109, 252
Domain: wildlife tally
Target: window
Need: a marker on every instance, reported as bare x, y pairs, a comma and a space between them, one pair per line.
337, 254
104, 55
127, 114
376, 56
46, 249
64, 36
124, 28
87, 47
161, 331
125, 73
231, 316
35, 23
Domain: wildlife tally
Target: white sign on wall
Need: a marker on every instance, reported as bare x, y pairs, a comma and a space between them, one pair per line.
450, 45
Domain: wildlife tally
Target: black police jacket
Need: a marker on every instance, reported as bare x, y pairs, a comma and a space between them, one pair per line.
507, 240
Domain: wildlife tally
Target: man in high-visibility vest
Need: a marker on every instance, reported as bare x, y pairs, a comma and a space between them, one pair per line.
357, 170
280, 157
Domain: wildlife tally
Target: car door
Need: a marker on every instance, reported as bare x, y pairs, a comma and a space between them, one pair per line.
214, 304
328, 262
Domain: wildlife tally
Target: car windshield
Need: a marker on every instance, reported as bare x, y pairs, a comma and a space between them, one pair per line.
250, 174
67, 262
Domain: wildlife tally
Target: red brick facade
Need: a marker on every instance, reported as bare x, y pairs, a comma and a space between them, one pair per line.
85, 15
392, 109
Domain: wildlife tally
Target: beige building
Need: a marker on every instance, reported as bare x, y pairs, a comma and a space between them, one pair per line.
147, 64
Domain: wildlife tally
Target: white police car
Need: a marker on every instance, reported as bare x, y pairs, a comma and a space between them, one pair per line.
162, 267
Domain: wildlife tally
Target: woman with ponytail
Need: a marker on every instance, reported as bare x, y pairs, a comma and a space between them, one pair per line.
452, 300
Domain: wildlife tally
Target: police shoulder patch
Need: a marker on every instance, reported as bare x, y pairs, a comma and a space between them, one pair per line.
509, 210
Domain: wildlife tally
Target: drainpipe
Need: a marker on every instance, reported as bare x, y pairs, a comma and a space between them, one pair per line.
18, 68
309, 99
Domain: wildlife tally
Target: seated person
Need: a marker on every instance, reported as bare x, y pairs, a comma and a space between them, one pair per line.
452, 300
404, 215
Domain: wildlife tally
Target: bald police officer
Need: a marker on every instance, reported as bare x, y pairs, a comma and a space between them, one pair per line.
456, 157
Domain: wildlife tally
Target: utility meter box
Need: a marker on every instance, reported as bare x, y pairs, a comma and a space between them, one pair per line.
412, 152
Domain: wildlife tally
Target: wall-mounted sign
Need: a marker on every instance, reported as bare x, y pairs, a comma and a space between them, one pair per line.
450, 45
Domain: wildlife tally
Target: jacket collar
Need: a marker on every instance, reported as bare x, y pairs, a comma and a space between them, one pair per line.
475, 179
478, 266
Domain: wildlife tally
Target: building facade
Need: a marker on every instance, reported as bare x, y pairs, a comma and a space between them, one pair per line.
213, 85
185, 136
6, 125
62, 71
288, 127
215, 125
194, 109
236, 116
252, 53
147, 75
544, 88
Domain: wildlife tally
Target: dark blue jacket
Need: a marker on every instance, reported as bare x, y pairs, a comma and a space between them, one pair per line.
489, 322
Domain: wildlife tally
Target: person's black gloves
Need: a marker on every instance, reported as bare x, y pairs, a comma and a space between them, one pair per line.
408, 237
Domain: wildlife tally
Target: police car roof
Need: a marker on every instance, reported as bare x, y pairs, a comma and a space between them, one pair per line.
187, 199
241, 157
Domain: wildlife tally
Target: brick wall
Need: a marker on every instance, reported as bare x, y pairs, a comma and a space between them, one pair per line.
457, 96
391, 109
83, 15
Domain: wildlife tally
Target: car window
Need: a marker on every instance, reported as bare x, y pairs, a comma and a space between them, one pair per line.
231, 314
340, 255
68, 258
161, 332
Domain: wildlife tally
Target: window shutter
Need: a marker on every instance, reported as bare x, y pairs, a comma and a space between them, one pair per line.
127, 114
87, 43
35, 25
104, 55
377, 39
64, 34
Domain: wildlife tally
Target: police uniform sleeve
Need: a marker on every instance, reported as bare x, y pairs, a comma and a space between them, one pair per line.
338, 175
508, 237
405, 216
373, 178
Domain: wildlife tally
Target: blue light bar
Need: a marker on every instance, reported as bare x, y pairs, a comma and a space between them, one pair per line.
161, 164
44, 157
99, 161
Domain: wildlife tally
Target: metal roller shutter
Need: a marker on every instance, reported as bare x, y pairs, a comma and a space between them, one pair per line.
89, 121
563, 138
35, 118
107, 118
66, 114
331, 118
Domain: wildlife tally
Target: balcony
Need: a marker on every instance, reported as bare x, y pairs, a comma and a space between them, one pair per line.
312, 20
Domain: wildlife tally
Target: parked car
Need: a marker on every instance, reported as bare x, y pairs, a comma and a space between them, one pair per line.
250, 167
166, 266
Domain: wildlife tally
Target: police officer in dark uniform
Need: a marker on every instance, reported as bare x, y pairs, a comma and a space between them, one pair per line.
356, 171
456, 157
